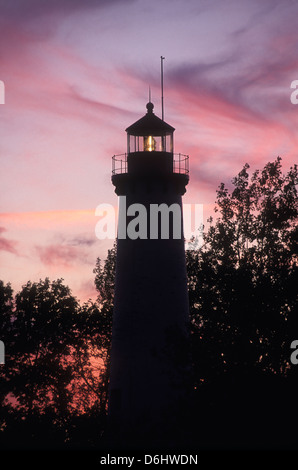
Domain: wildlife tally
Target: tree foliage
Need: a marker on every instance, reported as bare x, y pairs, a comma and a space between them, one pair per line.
105, 283
242, 280
53, 370
243, 297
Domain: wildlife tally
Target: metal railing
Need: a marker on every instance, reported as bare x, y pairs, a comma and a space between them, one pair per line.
180, 164
119, 164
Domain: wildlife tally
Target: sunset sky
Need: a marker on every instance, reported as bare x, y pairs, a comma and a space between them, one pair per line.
77, 73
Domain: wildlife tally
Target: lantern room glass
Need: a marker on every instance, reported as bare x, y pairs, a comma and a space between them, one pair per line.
150, 143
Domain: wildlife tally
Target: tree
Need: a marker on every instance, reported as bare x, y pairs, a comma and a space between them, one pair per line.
52, 376
242, 280
105, 284
243, 296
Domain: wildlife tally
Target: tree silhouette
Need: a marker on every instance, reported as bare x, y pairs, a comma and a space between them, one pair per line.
105, 283
52, 378
243, 297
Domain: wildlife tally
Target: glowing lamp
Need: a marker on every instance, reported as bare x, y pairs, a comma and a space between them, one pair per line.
149, 144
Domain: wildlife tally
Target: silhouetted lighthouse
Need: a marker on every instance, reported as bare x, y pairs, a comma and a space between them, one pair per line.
149, 360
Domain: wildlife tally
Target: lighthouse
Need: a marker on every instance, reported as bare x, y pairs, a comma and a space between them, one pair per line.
149, 356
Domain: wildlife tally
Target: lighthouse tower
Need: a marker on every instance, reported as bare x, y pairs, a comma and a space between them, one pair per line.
149, 358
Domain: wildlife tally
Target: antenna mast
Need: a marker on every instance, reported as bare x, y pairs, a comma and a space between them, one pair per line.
162, 104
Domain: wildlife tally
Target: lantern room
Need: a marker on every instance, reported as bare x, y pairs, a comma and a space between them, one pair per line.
150, 134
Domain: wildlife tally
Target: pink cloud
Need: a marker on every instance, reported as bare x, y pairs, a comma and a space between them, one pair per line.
52, 244
60, 255
6, 244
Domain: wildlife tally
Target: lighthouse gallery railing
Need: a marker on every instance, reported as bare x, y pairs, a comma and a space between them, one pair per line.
180, 164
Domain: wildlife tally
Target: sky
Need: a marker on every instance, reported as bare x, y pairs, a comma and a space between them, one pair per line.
76, 75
